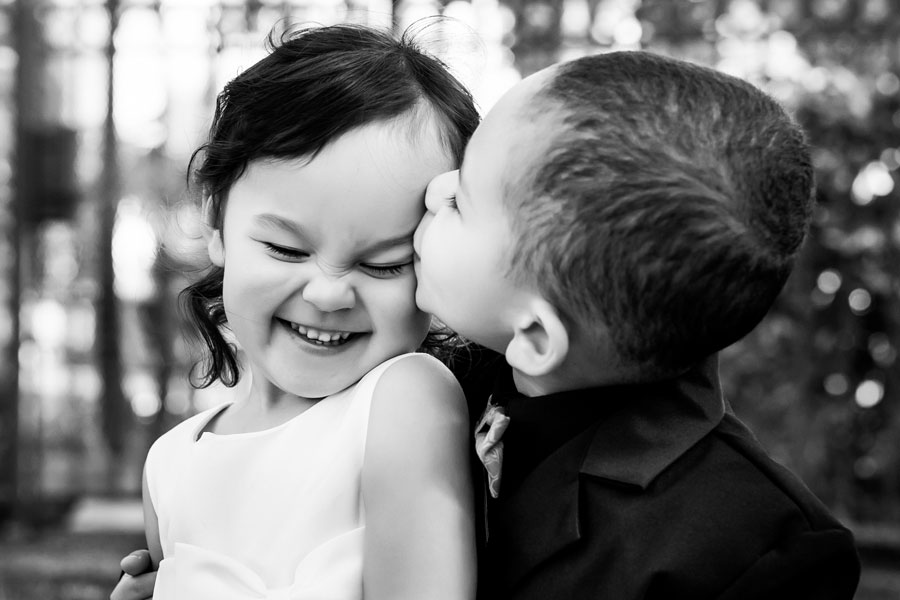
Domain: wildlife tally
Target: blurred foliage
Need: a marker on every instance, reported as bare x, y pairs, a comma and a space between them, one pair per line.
819, 379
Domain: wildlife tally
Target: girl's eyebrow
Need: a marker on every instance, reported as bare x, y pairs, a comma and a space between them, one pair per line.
272, 221
393, 242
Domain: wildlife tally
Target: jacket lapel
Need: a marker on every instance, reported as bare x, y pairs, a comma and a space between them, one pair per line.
550, 491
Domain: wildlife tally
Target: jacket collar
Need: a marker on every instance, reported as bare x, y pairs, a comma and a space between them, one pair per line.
659, 424
640, 430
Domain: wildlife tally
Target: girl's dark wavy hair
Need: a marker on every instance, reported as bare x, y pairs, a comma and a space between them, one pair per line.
315, 85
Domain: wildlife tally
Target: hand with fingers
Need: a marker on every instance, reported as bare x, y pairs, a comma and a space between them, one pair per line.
138, 578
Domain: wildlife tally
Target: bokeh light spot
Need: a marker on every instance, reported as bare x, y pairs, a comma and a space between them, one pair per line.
829, 281
873, 180
869, 393
887, 84
836, 384
881, 349
860, 301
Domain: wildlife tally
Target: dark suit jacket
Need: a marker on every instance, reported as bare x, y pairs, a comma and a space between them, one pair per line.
654, 491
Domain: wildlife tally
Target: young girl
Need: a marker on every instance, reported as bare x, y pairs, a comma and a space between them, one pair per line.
344, 471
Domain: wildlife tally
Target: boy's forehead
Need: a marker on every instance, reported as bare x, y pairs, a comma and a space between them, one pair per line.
514, 124
519, 102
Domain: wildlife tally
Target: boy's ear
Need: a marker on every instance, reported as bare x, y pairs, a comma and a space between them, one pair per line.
540, 342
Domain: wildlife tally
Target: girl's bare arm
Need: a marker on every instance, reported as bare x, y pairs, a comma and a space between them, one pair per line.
151, 526
420, 540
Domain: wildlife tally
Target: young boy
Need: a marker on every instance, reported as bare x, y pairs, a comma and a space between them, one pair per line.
617, 220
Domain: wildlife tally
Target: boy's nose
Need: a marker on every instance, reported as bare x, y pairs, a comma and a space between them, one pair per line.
420, 231
439, 189
329, 293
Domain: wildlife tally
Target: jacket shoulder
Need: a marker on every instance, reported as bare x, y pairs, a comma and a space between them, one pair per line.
723, 516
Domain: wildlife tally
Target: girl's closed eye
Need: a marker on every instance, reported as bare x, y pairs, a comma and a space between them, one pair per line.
284, 252
451, 203
385, 271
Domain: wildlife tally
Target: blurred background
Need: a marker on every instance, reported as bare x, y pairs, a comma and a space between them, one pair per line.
102, 102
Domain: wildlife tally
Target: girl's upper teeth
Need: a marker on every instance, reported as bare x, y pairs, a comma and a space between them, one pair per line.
317, 334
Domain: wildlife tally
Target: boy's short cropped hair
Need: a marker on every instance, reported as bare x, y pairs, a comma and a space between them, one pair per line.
668, 207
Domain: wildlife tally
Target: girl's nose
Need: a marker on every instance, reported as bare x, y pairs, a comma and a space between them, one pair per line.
329, 293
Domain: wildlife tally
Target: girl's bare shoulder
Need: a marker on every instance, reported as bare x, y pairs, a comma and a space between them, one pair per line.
421, 382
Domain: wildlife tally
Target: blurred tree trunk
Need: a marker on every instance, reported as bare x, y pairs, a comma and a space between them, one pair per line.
113, 399
9, 363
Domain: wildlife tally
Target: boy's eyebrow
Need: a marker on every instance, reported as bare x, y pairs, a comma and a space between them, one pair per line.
273, 221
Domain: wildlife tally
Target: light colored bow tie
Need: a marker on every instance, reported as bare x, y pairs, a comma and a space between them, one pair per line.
489, 445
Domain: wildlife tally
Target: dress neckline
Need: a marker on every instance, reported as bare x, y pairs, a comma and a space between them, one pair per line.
200, 434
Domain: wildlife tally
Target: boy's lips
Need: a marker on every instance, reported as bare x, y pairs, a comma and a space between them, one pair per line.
417, 243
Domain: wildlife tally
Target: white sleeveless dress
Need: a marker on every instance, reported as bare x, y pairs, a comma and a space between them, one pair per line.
274, 514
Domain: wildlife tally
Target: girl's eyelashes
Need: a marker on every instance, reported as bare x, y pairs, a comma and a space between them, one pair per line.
385, 271
284, 252
451, 202
378, 271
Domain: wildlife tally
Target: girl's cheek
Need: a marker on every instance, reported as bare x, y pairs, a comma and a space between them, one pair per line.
403, 292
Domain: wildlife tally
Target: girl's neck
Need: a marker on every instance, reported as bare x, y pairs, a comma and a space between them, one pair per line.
262, 407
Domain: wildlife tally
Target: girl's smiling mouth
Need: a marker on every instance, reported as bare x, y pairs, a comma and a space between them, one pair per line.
320, 337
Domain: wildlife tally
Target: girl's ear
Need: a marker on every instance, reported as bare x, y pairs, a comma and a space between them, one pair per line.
540, 343
215, 247
206, 211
